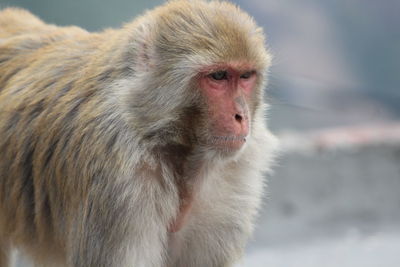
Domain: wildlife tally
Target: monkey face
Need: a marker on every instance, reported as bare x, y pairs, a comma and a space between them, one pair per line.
228, 89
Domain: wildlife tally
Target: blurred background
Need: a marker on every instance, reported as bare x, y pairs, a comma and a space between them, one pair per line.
334, 199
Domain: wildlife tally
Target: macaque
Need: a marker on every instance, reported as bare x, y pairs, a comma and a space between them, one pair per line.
143, 146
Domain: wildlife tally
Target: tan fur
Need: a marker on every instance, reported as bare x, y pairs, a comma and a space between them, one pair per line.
101, 139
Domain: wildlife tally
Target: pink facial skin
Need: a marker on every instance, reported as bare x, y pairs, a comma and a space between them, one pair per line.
228, 90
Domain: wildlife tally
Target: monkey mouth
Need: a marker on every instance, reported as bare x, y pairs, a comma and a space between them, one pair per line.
229, 141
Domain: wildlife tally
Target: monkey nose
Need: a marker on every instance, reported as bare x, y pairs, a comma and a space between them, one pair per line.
238, 118
241, 124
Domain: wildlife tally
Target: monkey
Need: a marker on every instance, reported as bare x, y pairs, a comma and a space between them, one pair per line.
142, 146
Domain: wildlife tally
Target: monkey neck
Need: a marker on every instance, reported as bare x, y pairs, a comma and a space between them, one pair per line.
187, 174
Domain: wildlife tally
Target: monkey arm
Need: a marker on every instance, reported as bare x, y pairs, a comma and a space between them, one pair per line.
121, 225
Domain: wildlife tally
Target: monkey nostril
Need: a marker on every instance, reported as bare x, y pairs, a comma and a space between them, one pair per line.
238, 118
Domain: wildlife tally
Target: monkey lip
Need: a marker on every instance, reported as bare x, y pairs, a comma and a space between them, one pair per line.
231, 141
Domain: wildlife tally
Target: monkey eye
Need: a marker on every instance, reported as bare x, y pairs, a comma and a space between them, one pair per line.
247, 75
219, 75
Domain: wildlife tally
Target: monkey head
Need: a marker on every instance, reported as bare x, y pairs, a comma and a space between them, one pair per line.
204, 65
